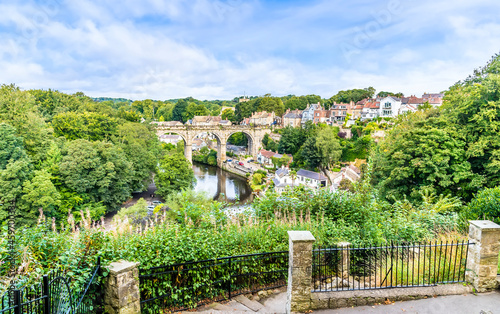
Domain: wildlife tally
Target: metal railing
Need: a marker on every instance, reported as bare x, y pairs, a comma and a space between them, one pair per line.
382, 267
54, 295
182, 286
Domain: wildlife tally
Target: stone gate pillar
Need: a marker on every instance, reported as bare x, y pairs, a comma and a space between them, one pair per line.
121, 295
482, 260
299, 271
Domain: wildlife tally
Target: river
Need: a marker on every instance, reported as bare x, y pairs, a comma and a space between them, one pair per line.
221, 185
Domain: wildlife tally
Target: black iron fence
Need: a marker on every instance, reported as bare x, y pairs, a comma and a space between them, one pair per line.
182, 286
396, 265
55, 295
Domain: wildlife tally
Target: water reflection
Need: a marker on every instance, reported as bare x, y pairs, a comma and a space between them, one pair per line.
221, 185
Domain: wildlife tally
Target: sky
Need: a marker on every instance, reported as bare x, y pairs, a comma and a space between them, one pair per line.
221, 49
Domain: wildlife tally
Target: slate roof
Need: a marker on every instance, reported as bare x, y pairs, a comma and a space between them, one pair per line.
311, 175
295, 114
282, 172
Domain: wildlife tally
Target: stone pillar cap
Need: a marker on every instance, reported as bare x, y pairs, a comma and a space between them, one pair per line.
485, 224
301, 236
122, 266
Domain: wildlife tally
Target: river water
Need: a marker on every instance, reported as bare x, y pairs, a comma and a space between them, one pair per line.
223, 186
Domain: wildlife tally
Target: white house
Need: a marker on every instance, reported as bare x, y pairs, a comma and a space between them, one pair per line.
308, 113
370, 110
265, 157
311, 179
389, 107
282, 180
170, 138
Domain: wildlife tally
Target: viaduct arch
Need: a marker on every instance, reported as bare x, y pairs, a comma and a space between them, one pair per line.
255, 134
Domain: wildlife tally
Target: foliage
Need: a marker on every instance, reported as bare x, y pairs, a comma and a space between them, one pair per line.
175, 174
346, 185
328, 146
142, 148
291, 140
453, 150
484, 205
136, 212
420, 154
383, 94
238, 139
87, 125
15, 166
99, 170
257, 178
206, 156
228, 114
179, 111
269, 144
293, 102
266, 103
354, 95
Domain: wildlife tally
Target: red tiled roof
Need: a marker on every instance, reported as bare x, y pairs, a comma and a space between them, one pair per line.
267, 153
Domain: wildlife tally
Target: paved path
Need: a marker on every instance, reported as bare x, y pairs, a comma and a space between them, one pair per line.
456, 304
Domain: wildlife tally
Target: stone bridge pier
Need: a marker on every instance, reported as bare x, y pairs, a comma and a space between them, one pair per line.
255, 134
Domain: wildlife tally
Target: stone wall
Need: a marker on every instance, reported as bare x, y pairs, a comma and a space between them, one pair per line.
481, 273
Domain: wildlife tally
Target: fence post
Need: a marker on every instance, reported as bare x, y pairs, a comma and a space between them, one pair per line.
482, 260
299, 271
122, 289
17, 301
46, 303
344, 264
229, 281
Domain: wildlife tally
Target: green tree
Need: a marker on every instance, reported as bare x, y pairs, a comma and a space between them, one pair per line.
40, 192
238, 139
310, 154
329, 147
99, 170
143, 150
421, 154
18, 109
228, 114
179, 111
15, 167
194, 109
291, 140
175, 174
484, 205
354, 95
87, 125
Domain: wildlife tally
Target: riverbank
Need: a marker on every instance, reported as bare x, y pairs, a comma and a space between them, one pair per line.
236, 169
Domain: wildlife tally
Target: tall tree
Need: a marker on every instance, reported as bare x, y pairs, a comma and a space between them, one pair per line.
179, 111
353, 95
175, 174
15, 166
291, 140
329, 147
98, 169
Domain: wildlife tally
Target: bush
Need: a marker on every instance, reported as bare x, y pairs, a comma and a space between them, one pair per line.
485, 205
136, 213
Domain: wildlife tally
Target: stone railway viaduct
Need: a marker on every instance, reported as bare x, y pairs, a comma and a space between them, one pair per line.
255, 134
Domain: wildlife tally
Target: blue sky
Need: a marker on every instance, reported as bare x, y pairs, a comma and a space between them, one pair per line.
221, 49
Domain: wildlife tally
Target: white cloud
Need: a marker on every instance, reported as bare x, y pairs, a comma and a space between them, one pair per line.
220, 49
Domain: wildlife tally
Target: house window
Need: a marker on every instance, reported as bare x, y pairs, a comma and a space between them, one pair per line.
387, 105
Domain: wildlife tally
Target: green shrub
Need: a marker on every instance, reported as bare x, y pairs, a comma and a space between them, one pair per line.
484, 205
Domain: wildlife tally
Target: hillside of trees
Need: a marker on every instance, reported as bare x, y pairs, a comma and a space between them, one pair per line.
66, 153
